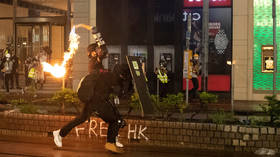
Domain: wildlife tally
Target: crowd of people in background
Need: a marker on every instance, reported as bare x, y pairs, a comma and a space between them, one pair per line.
9, 70
33, 70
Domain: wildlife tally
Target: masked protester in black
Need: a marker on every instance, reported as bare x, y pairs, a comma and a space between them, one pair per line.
97, 100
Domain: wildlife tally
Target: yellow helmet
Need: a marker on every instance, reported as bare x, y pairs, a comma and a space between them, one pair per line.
195, 56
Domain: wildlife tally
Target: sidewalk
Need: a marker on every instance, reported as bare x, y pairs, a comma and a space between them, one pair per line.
43, 147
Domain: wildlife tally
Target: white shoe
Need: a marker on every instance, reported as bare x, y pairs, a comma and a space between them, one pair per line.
118, 144
57, 138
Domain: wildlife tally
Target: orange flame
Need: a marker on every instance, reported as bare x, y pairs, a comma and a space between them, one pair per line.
60, 70
56, 70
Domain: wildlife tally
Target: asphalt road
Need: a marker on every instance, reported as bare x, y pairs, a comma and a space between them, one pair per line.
26, 147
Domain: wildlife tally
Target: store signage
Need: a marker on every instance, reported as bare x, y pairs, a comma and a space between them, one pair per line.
171, 17
267, 59
221, 42
212, 3
195, 16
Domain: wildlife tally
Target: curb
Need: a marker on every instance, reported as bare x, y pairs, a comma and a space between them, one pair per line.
147, 132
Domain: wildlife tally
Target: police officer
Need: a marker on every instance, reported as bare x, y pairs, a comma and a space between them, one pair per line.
161, 73
195, 71
102, 86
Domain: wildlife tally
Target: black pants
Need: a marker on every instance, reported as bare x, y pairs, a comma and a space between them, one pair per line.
163, 89
105, 111
193, 92
14, 75
2, 77
7, 80
27, 79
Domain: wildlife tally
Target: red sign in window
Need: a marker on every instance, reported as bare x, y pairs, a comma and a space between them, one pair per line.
212, 3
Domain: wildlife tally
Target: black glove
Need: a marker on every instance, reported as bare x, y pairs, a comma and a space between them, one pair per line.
94, 30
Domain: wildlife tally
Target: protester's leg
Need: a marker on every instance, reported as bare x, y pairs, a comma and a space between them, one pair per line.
17, 83
113, 130
58, 134
110, 116
107, 113
7, 78
85, 115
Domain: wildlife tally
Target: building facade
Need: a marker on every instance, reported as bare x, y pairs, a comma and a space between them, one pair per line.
248, 30
33, 25
239, 31
252, 38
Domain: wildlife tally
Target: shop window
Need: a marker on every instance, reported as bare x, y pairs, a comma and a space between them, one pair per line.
267, 59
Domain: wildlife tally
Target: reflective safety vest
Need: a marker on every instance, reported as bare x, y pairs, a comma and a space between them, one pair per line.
163, 78
31, 73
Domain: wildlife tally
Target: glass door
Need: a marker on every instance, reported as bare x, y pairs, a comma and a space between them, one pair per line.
24, 43
30, 39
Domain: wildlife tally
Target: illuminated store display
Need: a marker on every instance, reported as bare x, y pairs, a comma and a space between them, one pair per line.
267, 58
263, 36
220, 39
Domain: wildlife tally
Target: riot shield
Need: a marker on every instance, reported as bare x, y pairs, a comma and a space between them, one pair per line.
141, 87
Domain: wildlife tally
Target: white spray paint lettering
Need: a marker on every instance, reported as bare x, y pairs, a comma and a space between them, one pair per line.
92, 129
137, 132
102, 128
134, 131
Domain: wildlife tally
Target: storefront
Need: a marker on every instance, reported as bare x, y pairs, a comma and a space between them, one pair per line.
220, 39
37, 25
252, 49
263, 46
145, 28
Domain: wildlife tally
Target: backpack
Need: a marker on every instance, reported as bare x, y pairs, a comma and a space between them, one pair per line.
86, 86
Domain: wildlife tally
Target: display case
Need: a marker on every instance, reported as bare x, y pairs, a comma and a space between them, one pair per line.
114, 58
141, 52
166, 60
267, 58
164, 55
